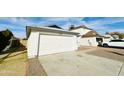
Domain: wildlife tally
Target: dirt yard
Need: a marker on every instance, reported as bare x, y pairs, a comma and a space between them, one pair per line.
14, 63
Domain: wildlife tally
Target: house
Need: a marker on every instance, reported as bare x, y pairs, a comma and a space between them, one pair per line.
49, 40
107, 38
88, 37
115, 35
111, 36
80, 29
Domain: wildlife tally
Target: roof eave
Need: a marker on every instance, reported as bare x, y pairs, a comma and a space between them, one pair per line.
29, 28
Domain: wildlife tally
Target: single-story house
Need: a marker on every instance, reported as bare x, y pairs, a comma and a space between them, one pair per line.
88, 37
49, 40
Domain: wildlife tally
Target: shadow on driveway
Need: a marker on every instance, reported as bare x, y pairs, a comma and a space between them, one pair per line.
116, 53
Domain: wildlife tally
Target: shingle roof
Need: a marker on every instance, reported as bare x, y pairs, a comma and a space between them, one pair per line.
91, 34
54, 26
114, 33
82, 26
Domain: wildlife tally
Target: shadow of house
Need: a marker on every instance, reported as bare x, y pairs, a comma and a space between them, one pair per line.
121, 54
20, 49
9, 55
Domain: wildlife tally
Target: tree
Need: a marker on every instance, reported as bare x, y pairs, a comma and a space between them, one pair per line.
5, 37
121, 36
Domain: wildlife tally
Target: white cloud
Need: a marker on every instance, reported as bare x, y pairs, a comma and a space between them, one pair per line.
17, 21
100, 25
105, 21
57, 19
67, 21
116, 30
66, 26
64, 22
19, 34
4, 26
63, 19
21, 21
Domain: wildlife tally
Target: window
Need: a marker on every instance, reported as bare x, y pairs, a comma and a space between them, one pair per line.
117, 41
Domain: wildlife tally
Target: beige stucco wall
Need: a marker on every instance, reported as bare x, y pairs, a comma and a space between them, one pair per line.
82, 31
32, 44
88, 41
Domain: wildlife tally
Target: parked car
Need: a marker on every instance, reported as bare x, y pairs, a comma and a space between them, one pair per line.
114, 43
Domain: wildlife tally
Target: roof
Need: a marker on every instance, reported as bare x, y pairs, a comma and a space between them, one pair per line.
49, 30
114, 33
91, 34
82, 26
55, 26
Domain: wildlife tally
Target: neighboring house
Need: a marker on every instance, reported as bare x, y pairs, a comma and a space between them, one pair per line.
80, 29
115, 35
107, 38
91, 38
111, 36
88, 37
49, 40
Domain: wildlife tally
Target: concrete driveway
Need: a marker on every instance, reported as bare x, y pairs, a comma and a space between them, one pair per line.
78, 63
110, 53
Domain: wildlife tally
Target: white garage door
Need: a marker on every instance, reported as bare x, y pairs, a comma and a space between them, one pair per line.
49, 44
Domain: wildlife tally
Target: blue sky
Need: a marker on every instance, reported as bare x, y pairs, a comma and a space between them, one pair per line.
100, 24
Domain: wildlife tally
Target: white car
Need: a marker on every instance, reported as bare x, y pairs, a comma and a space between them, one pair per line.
114, 43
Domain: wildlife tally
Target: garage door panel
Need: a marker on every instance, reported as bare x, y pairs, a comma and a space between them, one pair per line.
55, 44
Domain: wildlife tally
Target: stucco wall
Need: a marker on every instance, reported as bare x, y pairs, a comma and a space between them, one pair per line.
88, 41
82, 31
49, 44
32, 44
106, 39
